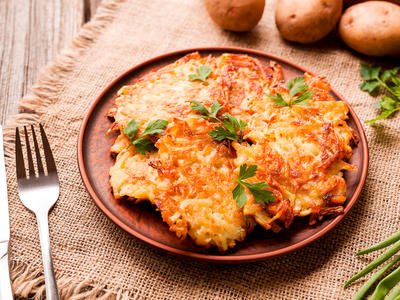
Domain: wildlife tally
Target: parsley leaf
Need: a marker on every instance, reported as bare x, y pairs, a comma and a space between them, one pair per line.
202, 73
383, 115
245, 172
229, 124
143, 143
155, 127
369, 72
374, 78
296, 86
258, 189
370, 86
131, 129
279, 101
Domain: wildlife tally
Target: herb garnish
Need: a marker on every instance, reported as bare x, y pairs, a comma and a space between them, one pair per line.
258, 189
143, 143
373, 80
202, 73
230, 125
295, 87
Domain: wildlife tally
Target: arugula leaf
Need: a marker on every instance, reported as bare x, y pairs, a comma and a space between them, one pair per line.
295, 87
258, 189
229, 124
388, 79
143, 143
202, 73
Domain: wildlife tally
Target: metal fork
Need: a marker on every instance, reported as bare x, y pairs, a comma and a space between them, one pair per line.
39, 192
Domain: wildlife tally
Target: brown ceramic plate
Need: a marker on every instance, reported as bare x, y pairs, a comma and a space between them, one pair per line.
143, 222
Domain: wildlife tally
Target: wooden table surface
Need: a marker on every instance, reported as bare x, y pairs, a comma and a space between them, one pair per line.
32, 32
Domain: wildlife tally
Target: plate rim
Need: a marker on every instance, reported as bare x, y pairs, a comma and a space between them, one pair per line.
210, 257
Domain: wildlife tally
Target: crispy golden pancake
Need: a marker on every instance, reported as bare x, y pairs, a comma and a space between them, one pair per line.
300, 151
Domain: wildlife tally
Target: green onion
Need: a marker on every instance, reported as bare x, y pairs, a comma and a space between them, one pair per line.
386, 285
394, 238
395, 294
367, 285
375, 263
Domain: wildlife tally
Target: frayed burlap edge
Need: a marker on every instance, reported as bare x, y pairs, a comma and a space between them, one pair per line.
27, 281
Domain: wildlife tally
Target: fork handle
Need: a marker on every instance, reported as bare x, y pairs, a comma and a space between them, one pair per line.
49, 278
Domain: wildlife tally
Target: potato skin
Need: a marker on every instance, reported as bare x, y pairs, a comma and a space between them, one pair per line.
347, 3
372, 28
235, 15
307, 21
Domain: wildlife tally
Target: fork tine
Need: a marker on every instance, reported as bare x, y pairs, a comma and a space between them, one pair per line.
37, 152
19, 157
29, 153
51, 165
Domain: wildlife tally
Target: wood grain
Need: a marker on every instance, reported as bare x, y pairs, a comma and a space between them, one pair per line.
31, 33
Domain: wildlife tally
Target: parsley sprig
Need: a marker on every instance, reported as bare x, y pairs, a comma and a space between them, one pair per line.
374, 78
142, 143
231, 129
202, 73
296, 87
258, 189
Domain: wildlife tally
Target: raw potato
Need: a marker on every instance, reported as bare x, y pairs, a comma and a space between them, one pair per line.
307, 21
372, 28
347, 3
235, 15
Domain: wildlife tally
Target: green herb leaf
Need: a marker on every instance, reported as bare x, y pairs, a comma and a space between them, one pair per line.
388, 103
301, 99
239, 194
202, 73
155, 127
391, 73
295, 86
258, 189
132, 128
389, 80
220, 133
279, 101
259, 192
143, 143
245, 172
369, 72
197, 106
371, 87
383, 115
230, 125
215, 107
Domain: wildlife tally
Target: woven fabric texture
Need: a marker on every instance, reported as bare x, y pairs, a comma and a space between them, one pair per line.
93, 258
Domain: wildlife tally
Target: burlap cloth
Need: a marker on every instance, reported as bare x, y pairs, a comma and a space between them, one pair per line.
94, 258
